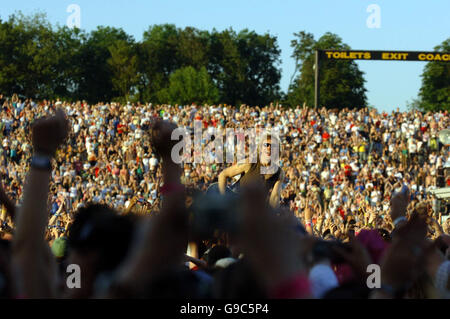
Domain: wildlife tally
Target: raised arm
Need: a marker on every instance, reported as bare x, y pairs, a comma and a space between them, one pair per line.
231, 172
276, 192
163, 238
7, 202
31, 257
54, 217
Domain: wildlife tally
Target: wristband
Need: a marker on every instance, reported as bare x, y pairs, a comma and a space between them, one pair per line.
398, 220
171, 188
308, 223
41, 162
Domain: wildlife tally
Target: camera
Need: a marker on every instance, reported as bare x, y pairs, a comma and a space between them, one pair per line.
212, 213
326, 250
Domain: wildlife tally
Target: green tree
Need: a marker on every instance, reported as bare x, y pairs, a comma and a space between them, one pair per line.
10, 54
68, 71
123, 62
157, 59
192, 48
39, 61
435, 90
261, 57
29, 55
245, 67
96, 80
414, 104
226, 66
341, 82
188, 85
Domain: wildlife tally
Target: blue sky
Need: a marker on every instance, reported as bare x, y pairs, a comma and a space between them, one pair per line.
405, 25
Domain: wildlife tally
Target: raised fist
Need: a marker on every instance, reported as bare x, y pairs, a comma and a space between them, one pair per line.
160, 136
49, 133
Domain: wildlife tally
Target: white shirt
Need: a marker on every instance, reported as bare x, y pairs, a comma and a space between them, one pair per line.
325, 175
333, 163
318, 138
153, 162
73, 192
354, 166
432, 159
412, 146
391, 148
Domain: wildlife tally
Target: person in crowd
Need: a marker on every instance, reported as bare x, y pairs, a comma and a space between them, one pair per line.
352, 188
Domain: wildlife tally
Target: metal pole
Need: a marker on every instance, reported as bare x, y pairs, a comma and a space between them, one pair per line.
316, 81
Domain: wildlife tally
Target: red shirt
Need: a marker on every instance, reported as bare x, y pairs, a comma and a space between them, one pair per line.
341, 212
120, 128
348, 170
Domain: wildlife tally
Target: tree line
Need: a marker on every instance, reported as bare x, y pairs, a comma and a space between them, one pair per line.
182, 66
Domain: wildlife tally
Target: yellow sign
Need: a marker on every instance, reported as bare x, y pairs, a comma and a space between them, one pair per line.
348, 55
394, 56
387, 55
434, 57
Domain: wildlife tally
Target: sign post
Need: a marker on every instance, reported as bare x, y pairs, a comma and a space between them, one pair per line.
316, 80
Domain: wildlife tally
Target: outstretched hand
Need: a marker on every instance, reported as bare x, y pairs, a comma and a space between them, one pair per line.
399, 203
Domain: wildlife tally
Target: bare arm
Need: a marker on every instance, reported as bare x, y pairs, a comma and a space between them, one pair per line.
54, 217
276, 191
231, 172
198, 262
308, 220
31, 257
7, 202
163, 238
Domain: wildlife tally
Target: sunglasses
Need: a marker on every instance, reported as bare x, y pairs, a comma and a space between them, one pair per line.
267, 145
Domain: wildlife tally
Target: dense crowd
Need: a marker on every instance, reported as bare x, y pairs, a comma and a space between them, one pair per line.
347, 161
345, 172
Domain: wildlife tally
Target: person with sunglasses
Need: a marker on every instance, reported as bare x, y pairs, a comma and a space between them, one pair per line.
266, 169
